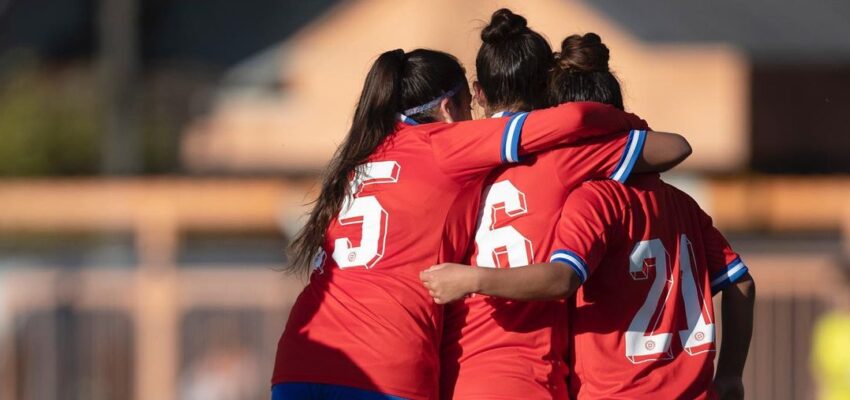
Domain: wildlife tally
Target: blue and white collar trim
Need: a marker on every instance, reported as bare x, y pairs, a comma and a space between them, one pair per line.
501, 114
405, 119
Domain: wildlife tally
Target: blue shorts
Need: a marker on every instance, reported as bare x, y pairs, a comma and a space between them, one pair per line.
321, 391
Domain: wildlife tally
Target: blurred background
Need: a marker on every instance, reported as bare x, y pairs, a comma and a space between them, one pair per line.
156, 155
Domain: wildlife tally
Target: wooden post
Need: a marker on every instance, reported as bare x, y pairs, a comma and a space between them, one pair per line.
156, 313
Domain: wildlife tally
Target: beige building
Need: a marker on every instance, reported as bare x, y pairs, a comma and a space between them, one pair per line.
698, 90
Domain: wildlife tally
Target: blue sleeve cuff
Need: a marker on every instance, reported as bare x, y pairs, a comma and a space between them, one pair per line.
734, 271
573, 260
511, 138
634, 147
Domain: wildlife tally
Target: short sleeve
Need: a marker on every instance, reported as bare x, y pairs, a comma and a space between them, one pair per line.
586, 226
725, 266
607, 157
471, 148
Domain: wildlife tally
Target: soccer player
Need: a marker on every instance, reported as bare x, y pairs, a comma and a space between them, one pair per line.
644, 260
364, 327
497, 349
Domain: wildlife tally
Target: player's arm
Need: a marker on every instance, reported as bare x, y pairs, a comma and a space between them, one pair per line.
469, 148
737, 313
617, 156
582, 235
662, 151
729, 275
450, 282
570, 123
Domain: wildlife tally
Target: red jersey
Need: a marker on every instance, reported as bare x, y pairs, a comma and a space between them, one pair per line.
496, 348
365, 320
649, 259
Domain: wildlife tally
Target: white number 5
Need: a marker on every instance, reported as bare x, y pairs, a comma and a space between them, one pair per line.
368, 212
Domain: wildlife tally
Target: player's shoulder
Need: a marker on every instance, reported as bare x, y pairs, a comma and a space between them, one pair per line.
436, 128
417, 132
599, 186
599, 192
438, 132
403, 138
680, 195
639, 187
651, 185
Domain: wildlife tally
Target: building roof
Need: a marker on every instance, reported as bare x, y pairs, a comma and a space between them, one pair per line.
769, 31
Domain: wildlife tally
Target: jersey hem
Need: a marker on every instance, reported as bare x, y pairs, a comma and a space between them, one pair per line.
291, 378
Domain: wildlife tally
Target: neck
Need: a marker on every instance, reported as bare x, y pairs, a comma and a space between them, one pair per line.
511, 108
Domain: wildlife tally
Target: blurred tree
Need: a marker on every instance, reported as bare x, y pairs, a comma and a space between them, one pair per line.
48, 123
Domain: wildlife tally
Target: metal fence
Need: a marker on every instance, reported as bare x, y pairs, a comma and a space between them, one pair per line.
178, 308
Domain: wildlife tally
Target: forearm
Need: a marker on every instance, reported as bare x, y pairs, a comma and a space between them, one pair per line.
572, 122
533, 282
662, 151
737, 313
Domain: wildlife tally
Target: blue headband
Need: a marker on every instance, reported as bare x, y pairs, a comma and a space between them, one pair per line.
433, 103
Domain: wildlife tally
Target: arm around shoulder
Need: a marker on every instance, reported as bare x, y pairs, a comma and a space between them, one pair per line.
662, 151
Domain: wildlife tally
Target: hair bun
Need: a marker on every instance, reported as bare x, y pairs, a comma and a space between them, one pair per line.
584, 53
503, 24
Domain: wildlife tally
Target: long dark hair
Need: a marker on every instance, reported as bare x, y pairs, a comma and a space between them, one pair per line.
582, 73
513, 63
397, 81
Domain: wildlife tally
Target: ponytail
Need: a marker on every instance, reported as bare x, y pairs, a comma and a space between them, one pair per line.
374, 120
397, 81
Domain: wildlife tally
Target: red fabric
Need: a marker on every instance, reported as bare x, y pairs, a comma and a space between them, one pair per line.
499, 349
603, 222
377, 328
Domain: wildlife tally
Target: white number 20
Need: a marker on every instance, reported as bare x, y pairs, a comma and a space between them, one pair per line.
644, 342
368, 212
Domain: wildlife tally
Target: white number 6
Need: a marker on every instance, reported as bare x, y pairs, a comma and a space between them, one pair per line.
505, 242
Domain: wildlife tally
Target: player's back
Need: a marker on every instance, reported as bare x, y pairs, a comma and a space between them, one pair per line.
494, 345
516, 348
367, 303
643, 323
365, 320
